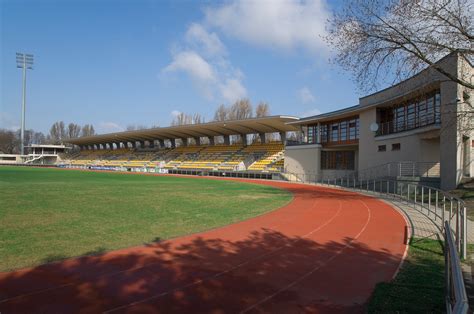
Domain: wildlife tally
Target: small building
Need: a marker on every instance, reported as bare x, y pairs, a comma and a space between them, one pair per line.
40, 154
421, 127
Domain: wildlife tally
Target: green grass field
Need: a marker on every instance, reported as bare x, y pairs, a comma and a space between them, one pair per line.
52, 214
418, 287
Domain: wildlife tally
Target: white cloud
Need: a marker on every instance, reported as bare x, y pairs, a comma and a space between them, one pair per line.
305, 95
232, 90
203, 59
175, 113
281, 24
192, 64
202, 40
107, 127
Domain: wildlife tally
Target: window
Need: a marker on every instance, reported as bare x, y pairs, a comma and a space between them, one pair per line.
335, 132
382, 148
415, 113
311, 138
396, 146
343, 136
337, 160
342, 131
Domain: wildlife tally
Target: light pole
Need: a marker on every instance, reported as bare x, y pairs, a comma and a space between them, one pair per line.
23, 61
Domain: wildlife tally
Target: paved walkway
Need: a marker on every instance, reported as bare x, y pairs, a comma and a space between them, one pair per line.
324, 252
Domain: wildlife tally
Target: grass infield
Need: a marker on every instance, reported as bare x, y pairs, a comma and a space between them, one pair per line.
418, 287
50, 214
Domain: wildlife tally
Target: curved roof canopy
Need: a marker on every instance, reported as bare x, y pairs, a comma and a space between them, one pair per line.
217, 128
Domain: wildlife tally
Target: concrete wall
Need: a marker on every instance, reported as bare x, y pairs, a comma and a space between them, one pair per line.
419, 145
303, 159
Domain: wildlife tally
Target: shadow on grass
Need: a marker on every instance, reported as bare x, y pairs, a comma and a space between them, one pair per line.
203, 275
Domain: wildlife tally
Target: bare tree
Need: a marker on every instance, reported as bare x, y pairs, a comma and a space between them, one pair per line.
38, 138
57, 132
88, 130
262, 110
221, 114
9, 143
197, 118
385, 41
241, 109
73, 130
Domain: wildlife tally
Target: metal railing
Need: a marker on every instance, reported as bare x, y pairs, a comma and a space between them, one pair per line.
408, 169
447, 211
456, 297
391, 127
438, 205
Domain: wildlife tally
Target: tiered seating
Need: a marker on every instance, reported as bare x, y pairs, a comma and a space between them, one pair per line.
211, 157
182, 154
266, 154
261, 157
277, 166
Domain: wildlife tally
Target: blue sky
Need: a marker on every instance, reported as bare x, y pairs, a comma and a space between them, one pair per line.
117, 63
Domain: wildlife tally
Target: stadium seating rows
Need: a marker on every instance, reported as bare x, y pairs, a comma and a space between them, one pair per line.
266, 157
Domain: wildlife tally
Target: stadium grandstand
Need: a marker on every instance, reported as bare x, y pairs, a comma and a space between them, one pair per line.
240, 148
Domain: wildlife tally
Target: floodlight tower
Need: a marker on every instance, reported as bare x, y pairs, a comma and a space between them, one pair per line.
23, 61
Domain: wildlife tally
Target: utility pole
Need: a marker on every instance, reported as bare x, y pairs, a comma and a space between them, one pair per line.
23, 61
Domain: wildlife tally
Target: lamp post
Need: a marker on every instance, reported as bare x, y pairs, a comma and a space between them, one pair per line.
25, 62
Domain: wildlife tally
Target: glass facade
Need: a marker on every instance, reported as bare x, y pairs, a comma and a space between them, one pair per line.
344, 131
337, 160
412, 114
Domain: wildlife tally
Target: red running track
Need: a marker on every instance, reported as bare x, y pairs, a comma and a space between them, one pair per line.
323, 252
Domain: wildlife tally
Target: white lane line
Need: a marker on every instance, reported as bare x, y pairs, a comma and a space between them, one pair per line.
199, 281
316, 268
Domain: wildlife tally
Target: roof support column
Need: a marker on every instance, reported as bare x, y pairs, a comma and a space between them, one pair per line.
262, 137
211, 140
161, 143
134, 144
142, 144
283, 137
151, 144
226, 139
197, 139
244, 139
184, 141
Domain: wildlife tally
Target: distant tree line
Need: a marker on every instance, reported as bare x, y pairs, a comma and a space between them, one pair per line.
58, 134
240, 110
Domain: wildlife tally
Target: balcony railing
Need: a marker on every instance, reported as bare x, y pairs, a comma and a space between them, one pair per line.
391, 127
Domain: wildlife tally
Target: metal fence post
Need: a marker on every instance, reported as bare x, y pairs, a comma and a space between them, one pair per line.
444, 209
408, 194
429, 202
464, 234
414, 199
423, 199
450, 210
458, 242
